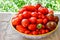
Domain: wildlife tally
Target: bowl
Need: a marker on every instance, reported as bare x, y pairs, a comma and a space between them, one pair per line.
33, 36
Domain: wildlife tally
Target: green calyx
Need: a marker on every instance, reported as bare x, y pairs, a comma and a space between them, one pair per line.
39, 26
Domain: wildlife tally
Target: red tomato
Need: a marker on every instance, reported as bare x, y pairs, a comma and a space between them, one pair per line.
46, 30
30, 8
20, 16
39, 13
26, 14
43, 10
20, 28
34, 32
25, 22
38, 5
42, 31
33, 19
43, 26
45, 20
43, 16
21, 10
15, 21
27, 32
51, 12
39, 21
34, 14
32, 27
15, 16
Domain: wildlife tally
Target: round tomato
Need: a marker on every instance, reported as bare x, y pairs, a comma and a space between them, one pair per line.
39, 21
34, 32
32, 27
45, 20
20, 16
27, 32
25, 22
33, 19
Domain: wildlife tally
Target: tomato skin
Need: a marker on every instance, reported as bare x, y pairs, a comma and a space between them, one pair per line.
26, 13
32, 27
15, 21
42, 31
34, 32
39, 21
20, 28
43, 10
21, 10
46, 30
37, 6
51, 12
43, 26
45, 20
25, 22
27, 32
33, 19
30, 8
20, 16
34, 14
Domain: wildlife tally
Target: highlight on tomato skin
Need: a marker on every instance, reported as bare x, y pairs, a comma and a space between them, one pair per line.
35, 20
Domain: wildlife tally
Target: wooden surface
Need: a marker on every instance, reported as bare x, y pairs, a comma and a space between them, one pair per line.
7, 33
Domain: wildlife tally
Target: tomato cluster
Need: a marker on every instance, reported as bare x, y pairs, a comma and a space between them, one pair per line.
34, 20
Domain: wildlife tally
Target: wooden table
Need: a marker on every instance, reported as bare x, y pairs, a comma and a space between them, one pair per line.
7, 33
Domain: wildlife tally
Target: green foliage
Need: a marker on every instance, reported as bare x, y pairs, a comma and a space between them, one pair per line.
15, 5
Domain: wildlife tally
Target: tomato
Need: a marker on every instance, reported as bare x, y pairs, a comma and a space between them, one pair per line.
34, 32
39, 21
46, 30
45, 20
20, 16
32, 27
20, 28
34, 14
43, 16
25, 22
30, 8
43, 26
27, 32
43, 10
15, 16
42, 31
33, 19
15, 21
51, 12
21, 10
37, 6
26, 14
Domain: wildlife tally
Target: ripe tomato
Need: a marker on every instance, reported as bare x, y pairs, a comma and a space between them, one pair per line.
20, 28
21, 10
30, 8
33, 19
26, 14
34, 14
45, 20
43, 26
32, 27
20, 16
25, 22
43, 16
34, 32
46, 30
37, 6
15, 21
51, 12
15, 16
42, 31
39, 21
43, 10
27, 32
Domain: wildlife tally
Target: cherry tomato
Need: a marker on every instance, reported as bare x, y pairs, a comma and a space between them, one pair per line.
21, 10
34, 32
25, 22
43, 10
33, 19
46, 30
20, 16
32, 27
20, 28
30, 8
34, 14
15, 21
43, 26
42, 31
27, 32
26, 14
45, 20
37, 6
51, 12
39, 21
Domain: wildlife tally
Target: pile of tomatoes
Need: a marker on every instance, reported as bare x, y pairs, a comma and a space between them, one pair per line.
34, 20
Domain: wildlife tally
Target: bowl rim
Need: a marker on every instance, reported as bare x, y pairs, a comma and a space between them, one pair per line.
33, 35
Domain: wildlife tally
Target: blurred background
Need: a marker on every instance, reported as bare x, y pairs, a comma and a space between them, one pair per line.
15, 5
